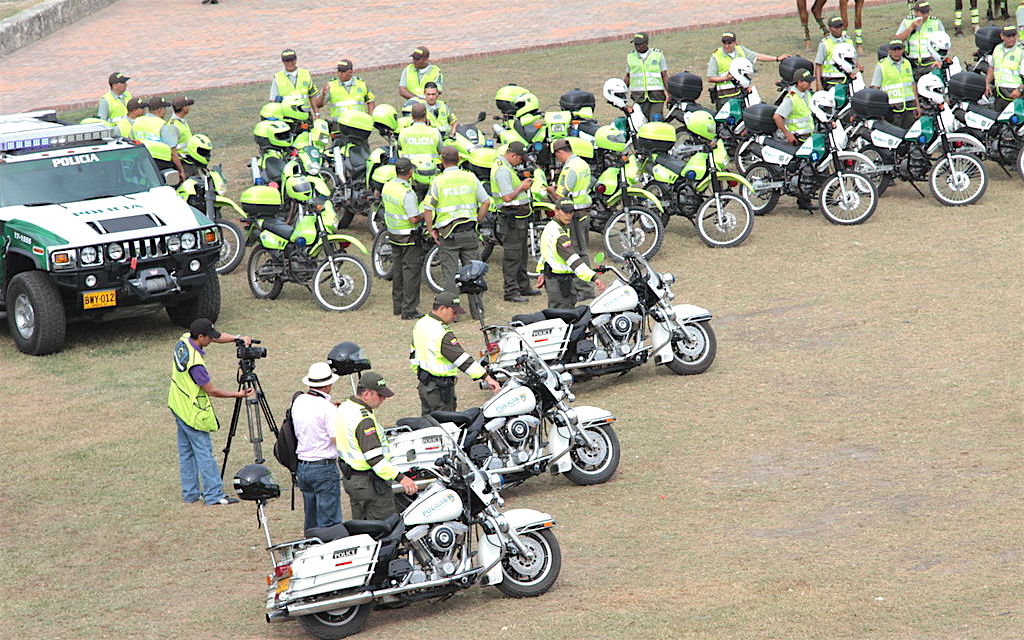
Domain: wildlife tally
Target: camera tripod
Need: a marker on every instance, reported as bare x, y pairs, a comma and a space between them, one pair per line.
256, 410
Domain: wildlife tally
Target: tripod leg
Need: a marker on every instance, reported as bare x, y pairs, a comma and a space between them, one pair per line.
231, 432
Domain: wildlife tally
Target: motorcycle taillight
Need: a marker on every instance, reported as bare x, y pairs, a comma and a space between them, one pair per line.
283, 571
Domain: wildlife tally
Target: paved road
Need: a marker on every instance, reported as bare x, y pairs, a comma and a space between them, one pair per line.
175, 45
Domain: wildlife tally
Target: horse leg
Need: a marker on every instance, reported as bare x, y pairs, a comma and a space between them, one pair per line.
858, 9
801, 10
816, 10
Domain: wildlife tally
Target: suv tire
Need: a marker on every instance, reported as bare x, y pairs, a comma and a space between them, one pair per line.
35, 313
205, 304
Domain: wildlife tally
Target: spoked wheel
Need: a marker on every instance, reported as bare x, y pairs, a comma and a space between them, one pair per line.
329, 179
724, 221
381, 256
881, 178
958, 179
1020, 164
762, 198
340, 623
747, 155
432, 270
633, 230
342, 283
847, 198
232, 246
533, 250
527, 577
266, 272
376, 218
696, 353
596, 461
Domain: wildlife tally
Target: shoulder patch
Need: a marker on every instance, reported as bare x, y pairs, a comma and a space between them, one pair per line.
567, 243
370, 430
454, 341
180, 356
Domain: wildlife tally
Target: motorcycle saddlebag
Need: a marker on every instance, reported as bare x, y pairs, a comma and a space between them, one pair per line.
987, 38
759, 118
656, 137
789, 66
356, 125
345, 563
871, 103
576, 99
685, 87
967, 85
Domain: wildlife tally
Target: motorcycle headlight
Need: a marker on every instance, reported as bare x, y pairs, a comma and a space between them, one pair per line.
88, 255
668, 278
173, 243
115, 251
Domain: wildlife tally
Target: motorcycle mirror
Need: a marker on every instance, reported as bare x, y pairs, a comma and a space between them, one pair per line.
481, 116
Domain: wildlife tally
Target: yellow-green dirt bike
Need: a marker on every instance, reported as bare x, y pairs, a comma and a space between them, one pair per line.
628, 217
197, 192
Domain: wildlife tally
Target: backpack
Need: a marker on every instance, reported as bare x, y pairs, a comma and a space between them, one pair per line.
284, 448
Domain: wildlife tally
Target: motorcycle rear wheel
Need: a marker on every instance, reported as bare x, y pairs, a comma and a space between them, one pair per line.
761, 202
644, 237
380, 256
728, 227
881, 179
847, 198
432, 270
232, 246
598, 466
690, 360
526, 579
1020, 164
332, 625
265, 273
351, 289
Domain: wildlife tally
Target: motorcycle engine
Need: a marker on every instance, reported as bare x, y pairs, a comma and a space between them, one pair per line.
436, 547
623, 325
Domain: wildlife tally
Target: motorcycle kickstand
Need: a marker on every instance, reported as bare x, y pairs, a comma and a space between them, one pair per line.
919, 192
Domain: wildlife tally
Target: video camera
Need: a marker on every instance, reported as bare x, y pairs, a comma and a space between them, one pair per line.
243, 352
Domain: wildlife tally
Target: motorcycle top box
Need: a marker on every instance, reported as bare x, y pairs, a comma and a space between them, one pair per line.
576, 99
789, 66
871, 103
967, 85
986, 39
655, 137
684, 86
759, 118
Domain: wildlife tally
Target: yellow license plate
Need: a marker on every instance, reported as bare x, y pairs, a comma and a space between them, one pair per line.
97, 299
282, 585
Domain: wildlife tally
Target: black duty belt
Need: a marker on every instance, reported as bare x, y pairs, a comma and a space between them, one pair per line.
426, 376
320, 462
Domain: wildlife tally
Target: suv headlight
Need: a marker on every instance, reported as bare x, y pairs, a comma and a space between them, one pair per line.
173, 243
188, 241
115, 251
89, 255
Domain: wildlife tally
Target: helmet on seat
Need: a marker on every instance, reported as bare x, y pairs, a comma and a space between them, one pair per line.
505, 99
272, 133
701, 123
742, 70
931, 88
347, 358
615, 92
293, 109
844, 57
939, 45
385, 119
823, 105
526, 103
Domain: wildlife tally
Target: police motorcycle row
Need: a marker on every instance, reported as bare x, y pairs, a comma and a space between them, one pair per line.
1001, 133
631, 322
820, 168
453, 535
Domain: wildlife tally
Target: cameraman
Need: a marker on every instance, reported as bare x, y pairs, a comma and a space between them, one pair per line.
189, 401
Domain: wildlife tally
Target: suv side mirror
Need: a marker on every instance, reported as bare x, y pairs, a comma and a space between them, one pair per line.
171, 177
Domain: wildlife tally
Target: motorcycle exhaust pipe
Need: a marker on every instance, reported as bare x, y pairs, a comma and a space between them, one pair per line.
596, 363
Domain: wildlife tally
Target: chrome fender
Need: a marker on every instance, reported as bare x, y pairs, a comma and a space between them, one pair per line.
662, 332
489, 546
355, 242
971, 144
643, 193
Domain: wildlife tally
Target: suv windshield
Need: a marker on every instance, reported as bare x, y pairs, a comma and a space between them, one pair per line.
70, 178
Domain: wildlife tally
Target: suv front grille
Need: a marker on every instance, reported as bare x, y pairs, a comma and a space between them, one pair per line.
145, 248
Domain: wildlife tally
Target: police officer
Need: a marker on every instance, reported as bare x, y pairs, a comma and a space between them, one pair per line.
347, 91
1005, 69
514, 195
793, 117
894, 76
646, 76
402, 217
436, 356
364, 447
293, 81
113, 105
421, 143
454, 205
181, 105
189, 401
560, 266
418, 73
318, 478
136, 107
573, 183
160, 138
826, 73
438, 113
915, 30
723, 88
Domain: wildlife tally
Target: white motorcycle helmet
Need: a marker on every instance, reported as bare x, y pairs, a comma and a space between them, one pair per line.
742, 71
939, 45
615, 92
931, 88
844, 57
823, 105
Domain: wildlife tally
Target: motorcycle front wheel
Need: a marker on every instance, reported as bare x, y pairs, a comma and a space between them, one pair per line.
340, 623
381, 255
432, 270
342, 283
232, 247
847, 198
725, 221
266, 273
695, 355
597, 464
634, 230
524, 578
958, 179
762, 201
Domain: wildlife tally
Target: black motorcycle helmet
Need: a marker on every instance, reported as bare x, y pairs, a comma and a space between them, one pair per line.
255, 482
347, 358
470, 278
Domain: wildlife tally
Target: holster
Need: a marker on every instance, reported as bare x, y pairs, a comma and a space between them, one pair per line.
346, 471
380, 486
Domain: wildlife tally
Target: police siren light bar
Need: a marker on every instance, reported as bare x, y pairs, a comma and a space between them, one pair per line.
39, 139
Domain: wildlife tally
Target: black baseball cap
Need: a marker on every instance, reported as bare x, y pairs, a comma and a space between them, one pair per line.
895, 44
566, 204
802, 75
203, 327
1009, 30
288, 54
116, 77
345, 65
375, 382
728, 36
836, 21
157, 102
404, 164
560, 144
640, 38
449, 299
517, 148
135, 103
923, 7
182, 101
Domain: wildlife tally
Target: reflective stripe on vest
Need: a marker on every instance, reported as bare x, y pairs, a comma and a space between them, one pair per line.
645, 73
553, 230
342, 98
395, 216
426, 347
828, 69
800, 118
727, 88
146, 129
523, 198
419, 141
456, 197
303, 84
347, 418
897, 82
185, 398
414, 83
117, 106
917, 42
1006, 69
580, 194
438, 116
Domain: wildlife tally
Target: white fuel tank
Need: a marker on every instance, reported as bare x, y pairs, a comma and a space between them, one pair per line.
434, 506
513, 400
617, 297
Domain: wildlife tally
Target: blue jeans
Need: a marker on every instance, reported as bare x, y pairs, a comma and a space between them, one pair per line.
195, 461
320, 485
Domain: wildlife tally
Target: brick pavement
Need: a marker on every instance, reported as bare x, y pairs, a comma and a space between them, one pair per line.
177, 45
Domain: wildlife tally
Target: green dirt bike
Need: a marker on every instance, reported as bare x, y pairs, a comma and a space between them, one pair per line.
309, 252
628, 217
204, 190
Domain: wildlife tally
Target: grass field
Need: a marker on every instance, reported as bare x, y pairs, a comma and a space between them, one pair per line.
848, 468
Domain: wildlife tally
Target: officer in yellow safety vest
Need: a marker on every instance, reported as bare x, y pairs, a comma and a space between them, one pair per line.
915, 30
559, 264
364, 448
160, 138
793, 117
346, 92
418, 73
438, 113
1006, 68
293, 81
421, 143
436, 356
136, 108
402, 217
574, 183
513, 196
189, 401
826, 73
723, 87
454, 204
113, 105
646, 76
182, 105
894, 76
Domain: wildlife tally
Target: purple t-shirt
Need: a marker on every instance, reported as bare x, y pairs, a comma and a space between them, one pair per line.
199, 373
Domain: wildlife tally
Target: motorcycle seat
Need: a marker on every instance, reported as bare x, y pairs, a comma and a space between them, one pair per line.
570, 316
589, 127
458, 417
328, 534
529, 318
416, 423
675, 165
278, 227
982, 111
889, 128
374, 528
274, 166
781, 146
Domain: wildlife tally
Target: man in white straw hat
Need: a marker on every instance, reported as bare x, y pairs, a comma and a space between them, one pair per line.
317, 476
